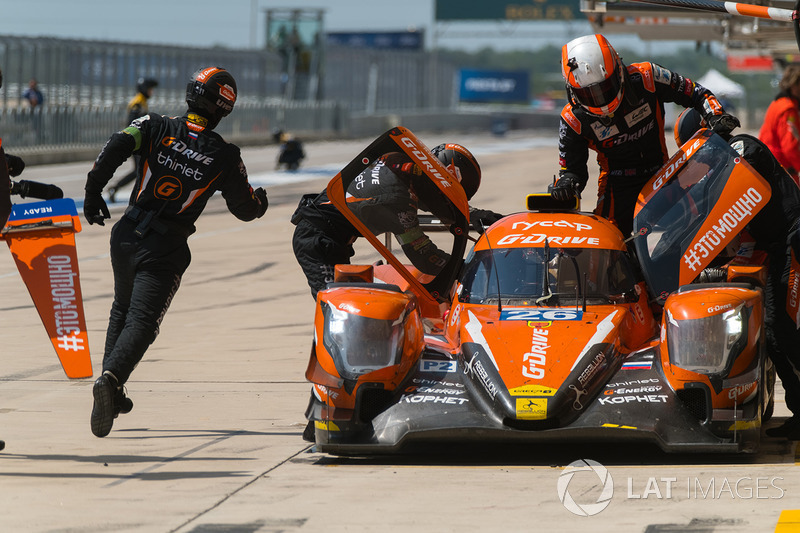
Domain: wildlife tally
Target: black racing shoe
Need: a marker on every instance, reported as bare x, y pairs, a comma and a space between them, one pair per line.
103, 412
122, 404
790, 429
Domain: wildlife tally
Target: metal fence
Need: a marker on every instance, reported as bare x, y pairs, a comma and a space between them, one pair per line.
87, 85
370, 81
69, 127
99, 73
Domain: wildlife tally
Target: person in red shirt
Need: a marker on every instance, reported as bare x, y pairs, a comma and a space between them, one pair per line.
781, 128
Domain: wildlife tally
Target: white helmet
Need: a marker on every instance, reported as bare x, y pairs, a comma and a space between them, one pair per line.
594, 72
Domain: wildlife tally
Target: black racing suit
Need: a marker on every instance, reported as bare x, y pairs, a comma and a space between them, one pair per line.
184, 164
630, 144
381, 198
772, 229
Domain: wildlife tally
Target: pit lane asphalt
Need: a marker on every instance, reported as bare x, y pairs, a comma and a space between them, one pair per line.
213, 443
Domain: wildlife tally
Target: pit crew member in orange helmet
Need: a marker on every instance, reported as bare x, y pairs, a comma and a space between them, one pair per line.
618, 112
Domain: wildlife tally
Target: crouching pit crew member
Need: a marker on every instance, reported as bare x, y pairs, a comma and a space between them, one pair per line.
386, 200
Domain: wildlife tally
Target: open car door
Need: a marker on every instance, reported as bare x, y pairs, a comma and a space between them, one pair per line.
430, 188
694, 207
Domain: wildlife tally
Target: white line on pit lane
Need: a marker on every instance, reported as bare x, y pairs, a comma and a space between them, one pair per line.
264, 179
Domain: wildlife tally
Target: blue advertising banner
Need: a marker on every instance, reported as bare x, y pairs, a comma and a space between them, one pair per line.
395, 40
493, 86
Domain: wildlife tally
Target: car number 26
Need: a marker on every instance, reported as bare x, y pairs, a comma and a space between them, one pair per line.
541, 314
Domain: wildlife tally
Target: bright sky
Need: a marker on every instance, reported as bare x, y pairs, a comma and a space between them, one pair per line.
241, 23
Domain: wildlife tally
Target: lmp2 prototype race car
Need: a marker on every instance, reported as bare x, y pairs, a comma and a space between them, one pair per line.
552, 329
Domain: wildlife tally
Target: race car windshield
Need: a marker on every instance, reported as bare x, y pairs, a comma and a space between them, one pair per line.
669, 221
524, 276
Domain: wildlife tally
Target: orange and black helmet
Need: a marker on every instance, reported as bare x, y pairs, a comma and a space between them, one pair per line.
211, 93
594, 74
462, 164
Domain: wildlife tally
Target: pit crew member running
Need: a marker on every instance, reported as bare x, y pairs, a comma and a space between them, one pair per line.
184, 162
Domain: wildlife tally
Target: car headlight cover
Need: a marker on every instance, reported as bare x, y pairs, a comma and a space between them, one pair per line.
706, 345
361, 344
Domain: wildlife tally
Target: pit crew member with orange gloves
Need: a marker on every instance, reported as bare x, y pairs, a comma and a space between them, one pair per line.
184, 162
618, 112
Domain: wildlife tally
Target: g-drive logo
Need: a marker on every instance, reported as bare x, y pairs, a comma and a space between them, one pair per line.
593, 486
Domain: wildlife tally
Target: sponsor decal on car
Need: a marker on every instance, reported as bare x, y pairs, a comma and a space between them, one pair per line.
527, 237
479, 371
664, 175
430, 398
436, 365
434, 390
638, 390
475, 367
741, 390
592, 368
539, 315
424, 162
539, 238
644, 398
728, 224
434, 382
633, 382
534, 361
531, 408
532, 390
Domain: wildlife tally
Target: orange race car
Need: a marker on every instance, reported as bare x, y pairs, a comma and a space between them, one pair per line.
552, 329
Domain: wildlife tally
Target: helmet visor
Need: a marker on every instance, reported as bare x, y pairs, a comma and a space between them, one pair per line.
598, 94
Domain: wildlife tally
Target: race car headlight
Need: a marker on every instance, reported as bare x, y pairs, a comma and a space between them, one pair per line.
359, 344
706, 345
